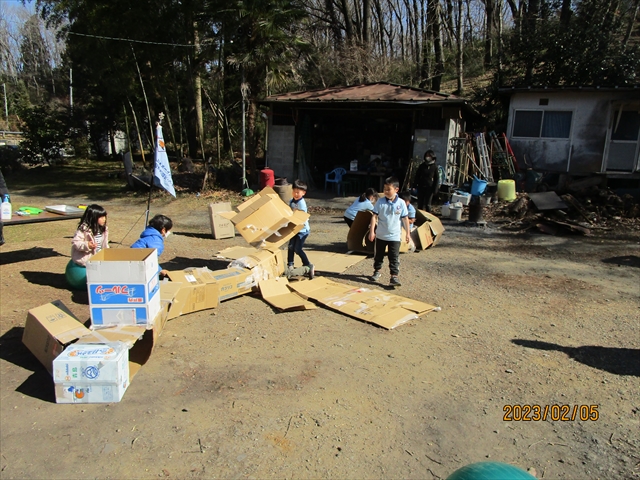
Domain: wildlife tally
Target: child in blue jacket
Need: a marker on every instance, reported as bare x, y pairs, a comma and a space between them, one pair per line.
154, 235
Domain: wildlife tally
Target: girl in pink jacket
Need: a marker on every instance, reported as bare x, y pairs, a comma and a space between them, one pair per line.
91, 237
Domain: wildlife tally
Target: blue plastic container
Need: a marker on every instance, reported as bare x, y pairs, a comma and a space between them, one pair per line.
478, 186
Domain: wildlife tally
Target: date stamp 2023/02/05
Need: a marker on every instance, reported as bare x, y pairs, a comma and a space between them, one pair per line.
556, 413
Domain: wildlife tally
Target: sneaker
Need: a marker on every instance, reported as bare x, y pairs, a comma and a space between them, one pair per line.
395, 281
376, 276
312, 271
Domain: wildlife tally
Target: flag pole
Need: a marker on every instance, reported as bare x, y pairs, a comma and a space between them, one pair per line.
153, 170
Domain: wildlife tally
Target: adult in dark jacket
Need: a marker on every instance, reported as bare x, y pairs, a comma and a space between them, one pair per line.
153, 236
3, 191
427, 181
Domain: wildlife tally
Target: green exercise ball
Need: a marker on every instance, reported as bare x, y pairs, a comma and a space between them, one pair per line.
490, 471
76, 276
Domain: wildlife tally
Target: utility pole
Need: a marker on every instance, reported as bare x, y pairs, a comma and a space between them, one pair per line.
6, 107
244, 167
71, 89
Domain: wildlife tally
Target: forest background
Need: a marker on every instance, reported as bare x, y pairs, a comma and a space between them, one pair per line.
75, 70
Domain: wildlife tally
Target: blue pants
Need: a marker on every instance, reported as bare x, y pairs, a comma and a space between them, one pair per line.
295, 246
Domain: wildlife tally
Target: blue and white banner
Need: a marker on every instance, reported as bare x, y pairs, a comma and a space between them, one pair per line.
162, 173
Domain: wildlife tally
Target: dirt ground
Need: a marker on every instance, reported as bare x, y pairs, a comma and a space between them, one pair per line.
246, 391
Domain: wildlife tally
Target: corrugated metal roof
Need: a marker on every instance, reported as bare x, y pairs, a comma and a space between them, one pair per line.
370, 92
578, 88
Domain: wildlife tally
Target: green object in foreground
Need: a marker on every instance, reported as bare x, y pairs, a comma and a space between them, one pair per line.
247, 192
30, 210
76, 276
490, 471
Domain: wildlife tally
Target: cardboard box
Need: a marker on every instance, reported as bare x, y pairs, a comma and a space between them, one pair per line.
264, 264
428, 232
276, 292
91, 373
221, 227
123, 287
49, 329
233, 282
373, 306
198, 291
168, 298
358, 236
265, 221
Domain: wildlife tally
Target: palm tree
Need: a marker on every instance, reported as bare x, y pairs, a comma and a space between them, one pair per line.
265, 47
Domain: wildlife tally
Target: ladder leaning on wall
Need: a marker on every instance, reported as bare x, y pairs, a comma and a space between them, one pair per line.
484, 160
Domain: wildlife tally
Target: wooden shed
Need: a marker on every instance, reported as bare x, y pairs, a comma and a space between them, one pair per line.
312, 132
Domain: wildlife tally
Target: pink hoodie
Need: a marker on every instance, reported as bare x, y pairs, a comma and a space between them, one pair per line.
80, 251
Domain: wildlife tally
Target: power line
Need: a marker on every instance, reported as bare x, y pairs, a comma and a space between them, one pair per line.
130, 40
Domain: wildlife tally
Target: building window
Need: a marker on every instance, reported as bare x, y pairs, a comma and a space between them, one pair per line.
626, 126
542, 123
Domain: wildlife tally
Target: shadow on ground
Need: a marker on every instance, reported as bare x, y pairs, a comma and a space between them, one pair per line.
180, 263
619, 361
35, 253
39, 384
626, 260
47, 279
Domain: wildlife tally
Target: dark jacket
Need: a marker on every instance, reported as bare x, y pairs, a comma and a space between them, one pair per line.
150, 238
427, 175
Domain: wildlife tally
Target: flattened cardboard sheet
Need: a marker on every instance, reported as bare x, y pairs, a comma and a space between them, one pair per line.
373, 306
276, 292
331, 262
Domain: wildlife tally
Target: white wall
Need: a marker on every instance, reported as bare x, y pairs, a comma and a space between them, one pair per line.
436, 140
583, 151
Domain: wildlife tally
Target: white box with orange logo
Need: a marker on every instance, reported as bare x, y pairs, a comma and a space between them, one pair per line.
91, 373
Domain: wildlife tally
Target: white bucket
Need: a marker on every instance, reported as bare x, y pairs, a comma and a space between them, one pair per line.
455, 213
445, 210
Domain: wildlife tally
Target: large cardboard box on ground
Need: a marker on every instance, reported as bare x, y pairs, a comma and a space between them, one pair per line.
168, 297
198, 291
221, 227
123, 287
264, 264
358, 236
51, 328
233, 282
91, 373
374, 306
428, 232
265, 221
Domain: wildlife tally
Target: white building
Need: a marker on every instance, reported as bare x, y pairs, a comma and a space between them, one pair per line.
576, 130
